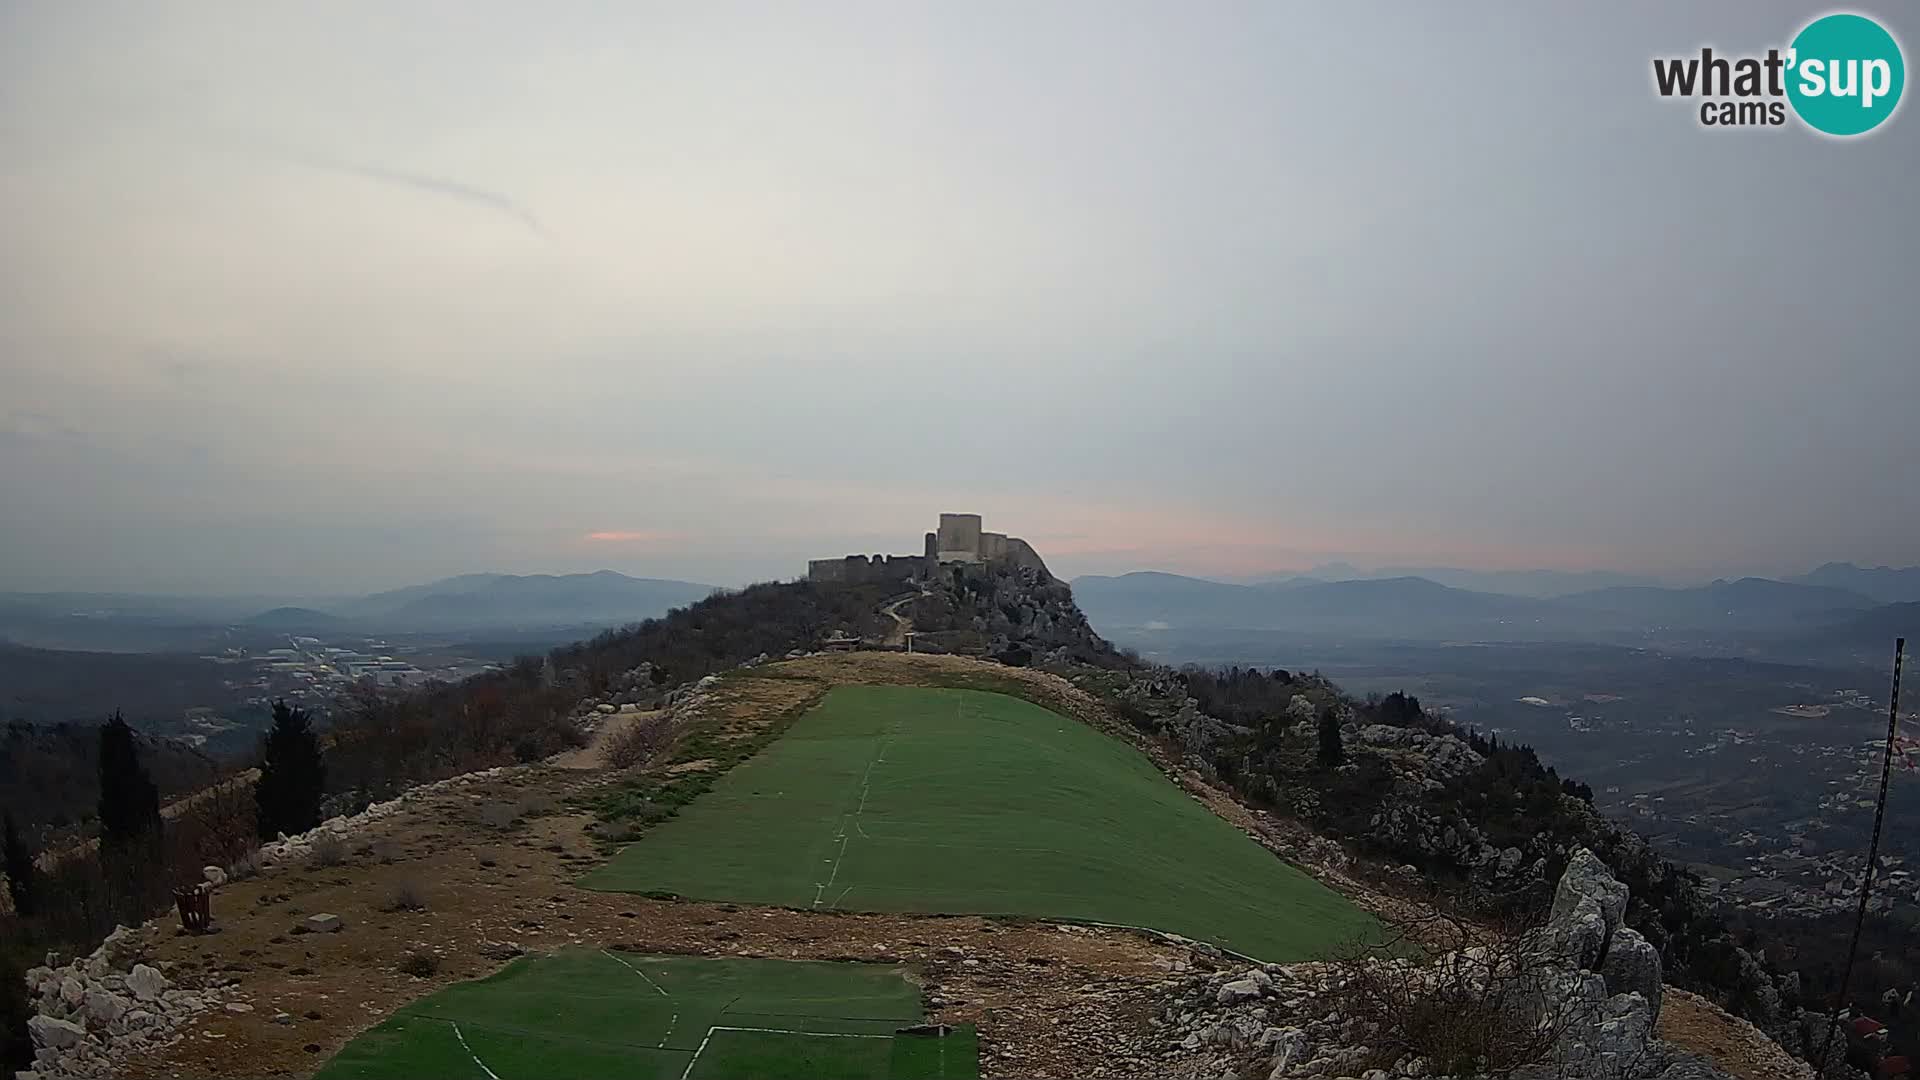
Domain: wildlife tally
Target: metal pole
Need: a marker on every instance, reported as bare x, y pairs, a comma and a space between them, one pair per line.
1873, 853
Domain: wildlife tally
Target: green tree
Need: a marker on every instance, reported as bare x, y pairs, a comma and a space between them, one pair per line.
1331, 752
20, 869
293, 776
129, 803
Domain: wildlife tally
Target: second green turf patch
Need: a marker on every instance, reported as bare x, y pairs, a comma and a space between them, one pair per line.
963, 802
588, 1013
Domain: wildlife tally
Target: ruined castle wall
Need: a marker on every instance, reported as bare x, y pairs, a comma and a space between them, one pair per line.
860, 570
993, 546
831, 569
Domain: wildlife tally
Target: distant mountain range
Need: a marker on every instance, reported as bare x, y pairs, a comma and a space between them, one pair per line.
1411, 608
483, 603
1753, 602
1406, 606
500, 601
1535, 583
1887, 584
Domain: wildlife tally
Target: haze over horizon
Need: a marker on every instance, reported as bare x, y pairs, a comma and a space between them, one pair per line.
336, 300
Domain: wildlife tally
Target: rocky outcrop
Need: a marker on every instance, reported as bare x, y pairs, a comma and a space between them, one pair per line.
94, 1012
1588, 982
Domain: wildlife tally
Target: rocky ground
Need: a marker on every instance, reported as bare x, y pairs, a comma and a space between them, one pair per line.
456, 879
1588, 980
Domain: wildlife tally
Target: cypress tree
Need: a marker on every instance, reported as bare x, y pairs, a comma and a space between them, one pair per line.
1331, 752
129, 802
292, 775
20, 869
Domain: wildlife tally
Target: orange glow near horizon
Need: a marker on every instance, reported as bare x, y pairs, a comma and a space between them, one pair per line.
630, 536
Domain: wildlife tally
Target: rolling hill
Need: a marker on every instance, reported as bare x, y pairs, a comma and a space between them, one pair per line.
1749, 604
505, 601
1407, 607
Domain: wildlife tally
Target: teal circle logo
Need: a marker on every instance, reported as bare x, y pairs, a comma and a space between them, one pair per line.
1845, 74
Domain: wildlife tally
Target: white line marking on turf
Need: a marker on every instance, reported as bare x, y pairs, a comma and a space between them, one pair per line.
866, 788
768, 1031
663, 992
636, 971
818, 889
476, 1057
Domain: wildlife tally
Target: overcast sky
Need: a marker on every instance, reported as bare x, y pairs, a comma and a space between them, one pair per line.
330, 297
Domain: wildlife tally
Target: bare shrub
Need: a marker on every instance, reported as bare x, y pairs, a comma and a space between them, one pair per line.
638, 742
224, 822
1488, 1005
245, 866
407, 896
420, 965
328, 850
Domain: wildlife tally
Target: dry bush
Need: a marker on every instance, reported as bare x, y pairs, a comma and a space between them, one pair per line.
420, 965
407, 896
328, 850
638, 742
1485, 1007
220, 827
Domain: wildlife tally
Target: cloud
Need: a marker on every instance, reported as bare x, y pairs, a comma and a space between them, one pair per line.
433, 185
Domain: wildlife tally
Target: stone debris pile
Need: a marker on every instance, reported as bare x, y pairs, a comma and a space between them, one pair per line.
94, 1012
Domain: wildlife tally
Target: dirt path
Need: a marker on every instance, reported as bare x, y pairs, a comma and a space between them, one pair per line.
902, 625
1693, 1023
594, 754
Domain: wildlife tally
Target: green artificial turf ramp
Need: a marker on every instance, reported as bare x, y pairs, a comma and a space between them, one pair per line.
962, 802
586, 1013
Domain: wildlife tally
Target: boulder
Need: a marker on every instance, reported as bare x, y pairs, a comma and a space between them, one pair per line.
324, 923
55, 1034
1580, 935
1587, 878
146, 983
214, 876
73, 991
104, 1007
1632, 966
120, 949
1237, 991
1289, 1048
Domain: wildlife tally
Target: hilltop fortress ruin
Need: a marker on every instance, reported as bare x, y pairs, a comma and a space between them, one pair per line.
959, 540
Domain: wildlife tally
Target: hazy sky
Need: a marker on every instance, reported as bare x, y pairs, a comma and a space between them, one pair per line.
330, 297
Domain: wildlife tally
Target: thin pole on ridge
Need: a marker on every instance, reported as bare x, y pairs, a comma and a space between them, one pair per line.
1873, 856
